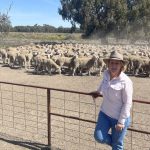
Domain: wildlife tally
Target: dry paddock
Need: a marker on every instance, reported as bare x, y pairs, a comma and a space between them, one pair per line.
23, 112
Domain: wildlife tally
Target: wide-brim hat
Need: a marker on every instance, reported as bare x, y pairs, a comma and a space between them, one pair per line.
115, 55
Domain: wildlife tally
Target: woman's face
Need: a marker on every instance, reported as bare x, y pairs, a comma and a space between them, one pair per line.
114, 67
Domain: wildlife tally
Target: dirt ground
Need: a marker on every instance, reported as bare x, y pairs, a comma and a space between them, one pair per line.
77, 83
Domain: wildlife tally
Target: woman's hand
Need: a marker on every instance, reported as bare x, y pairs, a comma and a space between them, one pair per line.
119, 127
94, 95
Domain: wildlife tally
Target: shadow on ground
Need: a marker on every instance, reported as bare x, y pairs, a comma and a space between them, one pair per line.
25, 143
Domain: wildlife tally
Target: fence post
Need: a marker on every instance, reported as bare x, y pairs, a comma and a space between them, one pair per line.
48, 117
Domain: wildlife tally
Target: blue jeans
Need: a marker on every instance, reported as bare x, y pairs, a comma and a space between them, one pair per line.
102, 135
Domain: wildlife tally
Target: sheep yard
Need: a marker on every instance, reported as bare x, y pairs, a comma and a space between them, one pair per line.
78, 82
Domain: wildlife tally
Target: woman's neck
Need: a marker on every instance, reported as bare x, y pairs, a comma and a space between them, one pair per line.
112, 76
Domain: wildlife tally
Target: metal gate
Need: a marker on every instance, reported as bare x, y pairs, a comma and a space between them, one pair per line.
63, 118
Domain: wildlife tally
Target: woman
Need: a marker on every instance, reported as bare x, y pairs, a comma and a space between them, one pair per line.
117, 91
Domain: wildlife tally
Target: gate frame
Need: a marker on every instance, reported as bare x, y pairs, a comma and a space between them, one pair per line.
49, 113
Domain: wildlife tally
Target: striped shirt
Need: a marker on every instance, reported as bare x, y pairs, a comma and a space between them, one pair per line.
117, 96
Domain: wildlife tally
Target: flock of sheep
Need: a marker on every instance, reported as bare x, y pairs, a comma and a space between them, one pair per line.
74, 58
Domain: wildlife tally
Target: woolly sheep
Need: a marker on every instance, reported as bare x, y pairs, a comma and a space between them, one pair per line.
81, 64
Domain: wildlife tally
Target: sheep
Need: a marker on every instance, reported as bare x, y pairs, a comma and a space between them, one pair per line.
100, 65
39, 66
70, 55
51, 64
42, 63
29, 58
12, 57
145, 67
21, 58
134, 64
81, 64
65, 63
4, 56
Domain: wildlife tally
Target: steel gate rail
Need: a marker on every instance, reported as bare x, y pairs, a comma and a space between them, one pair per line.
50, 113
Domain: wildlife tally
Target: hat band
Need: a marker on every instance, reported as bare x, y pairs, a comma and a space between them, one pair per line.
116, 58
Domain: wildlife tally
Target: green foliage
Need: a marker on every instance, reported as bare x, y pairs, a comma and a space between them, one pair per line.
45, 28
105, 16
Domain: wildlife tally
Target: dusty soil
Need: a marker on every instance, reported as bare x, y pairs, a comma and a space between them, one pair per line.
77, 83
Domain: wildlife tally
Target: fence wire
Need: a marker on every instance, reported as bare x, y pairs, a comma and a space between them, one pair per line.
63, 119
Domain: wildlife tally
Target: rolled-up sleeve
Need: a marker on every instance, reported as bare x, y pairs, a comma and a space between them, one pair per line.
99, 89
127, 95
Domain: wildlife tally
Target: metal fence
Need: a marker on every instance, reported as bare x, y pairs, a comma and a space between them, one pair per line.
63, 119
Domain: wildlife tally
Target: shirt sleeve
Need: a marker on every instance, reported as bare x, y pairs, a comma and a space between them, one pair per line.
99, 89
127, 94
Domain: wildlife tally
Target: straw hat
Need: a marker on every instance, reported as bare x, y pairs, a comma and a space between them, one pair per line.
115, 56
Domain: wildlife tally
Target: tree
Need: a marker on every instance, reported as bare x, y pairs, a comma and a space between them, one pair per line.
105, 16
94, 15
5, 23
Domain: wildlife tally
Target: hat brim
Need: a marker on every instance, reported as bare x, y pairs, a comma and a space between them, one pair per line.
125, 62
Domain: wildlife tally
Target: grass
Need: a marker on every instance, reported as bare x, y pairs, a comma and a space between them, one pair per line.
21, 38
37, 36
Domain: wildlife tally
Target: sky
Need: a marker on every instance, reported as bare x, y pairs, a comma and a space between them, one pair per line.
31, 12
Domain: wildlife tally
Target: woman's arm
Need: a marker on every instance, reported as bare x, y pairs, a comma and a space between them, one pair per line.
127, 95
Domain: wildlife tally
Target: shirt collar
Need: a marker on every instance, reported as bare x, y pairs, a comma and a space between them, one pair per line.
120, 77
